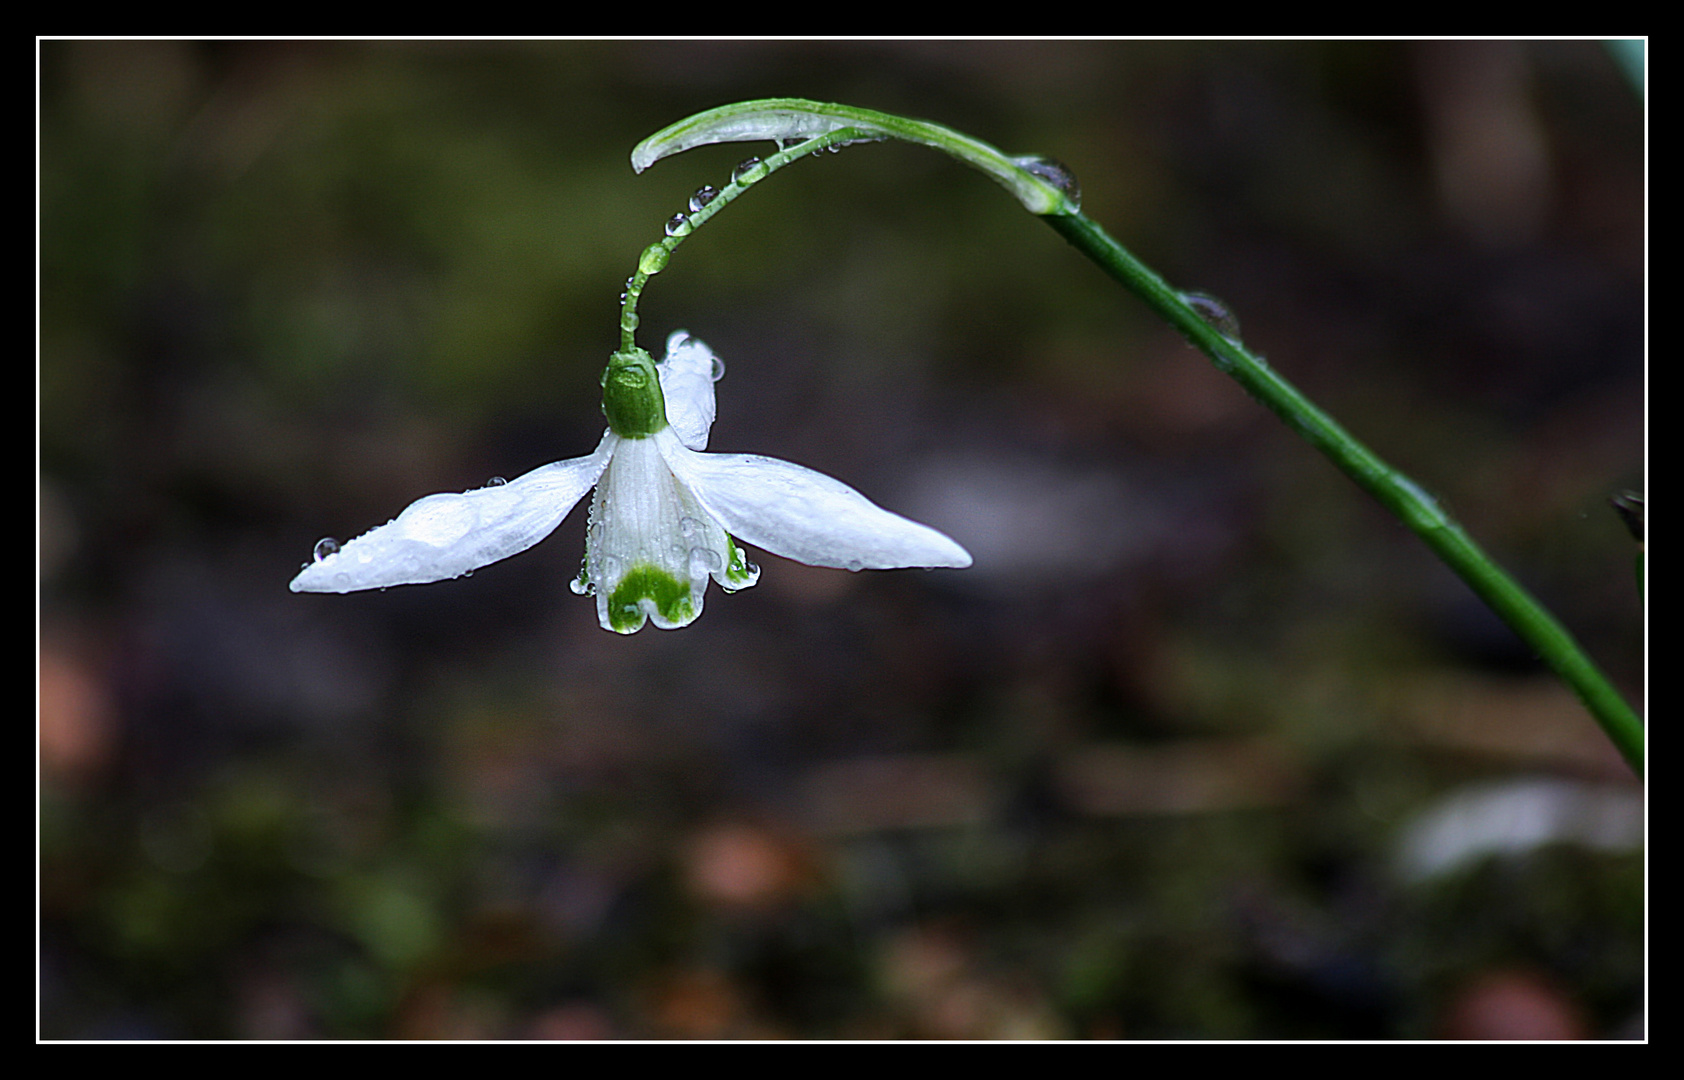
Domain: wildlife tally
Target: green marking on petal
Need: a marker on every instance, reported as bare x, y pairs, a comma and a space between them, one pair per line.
647, 581
737, 570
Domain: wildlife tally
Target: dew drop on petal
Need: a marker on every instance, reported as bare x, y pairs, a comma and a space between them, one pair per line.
581, 587
496, 481
718, 369
704, 195
326, 546
1054, 173
704, 561
1214, 312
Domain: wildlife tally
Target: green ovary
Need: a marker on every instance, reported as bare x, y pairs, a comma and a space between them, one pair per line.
647, 581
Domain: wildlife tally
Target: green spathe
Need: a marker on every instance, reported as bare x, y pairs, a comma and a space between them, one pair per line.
647, 581
631, 395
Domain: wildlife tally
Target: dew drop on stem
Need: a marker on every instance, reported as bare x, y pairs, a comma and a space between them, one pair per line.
1055, 173
1214, 312
704, 195
747, 171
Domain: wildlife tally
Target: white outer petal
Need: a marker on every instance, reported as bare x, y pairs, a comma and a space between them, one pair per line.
804, 515
447, 535
686, 374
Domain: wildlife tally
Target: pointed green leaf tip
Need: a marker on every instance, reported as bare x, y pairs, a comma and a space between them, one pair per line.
784, 119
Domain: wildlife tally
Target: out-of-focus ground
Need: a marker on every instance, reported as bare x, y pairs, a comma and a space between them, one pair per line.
1204, 745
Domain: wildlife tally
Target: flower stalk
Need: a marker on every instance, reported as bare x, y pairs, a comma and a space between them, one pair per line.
1045, 189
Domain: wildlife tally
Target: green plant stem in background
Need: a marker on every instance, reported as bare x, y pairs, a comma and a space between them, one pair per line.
1046, 189
1399, 494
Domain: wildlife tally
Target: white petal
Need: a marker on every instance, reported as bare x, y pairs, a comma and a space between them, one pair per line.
805, 515
447, 535
687, 377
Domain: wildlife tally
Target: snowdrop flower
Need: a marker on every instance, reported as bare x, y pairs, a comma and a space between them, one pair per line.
663, 517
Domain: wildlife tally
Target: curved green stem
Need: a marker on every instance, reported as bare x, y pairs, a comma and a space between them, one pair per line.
1049, 191
750, 172
1399, 494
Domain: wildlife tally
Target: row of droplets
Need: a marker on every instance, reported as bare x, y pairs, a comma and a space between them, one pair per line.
656, 256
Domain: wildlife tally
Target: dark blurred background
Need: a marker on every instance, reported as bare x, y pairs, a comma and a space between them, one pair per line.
1205, 745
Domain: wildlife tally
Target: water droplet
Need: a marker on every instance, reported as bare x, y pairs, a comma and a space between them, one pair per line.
855, 565
629, 320
704, 195
678, 225
495, 481
653, 260
1214, 312
748, 171
326, 546
704, 561
1054, 173
688, 526
718, 369
580, 586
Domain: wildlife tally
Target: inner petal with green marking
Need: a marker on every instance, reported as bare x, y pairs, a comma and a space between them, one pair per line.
651, 548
